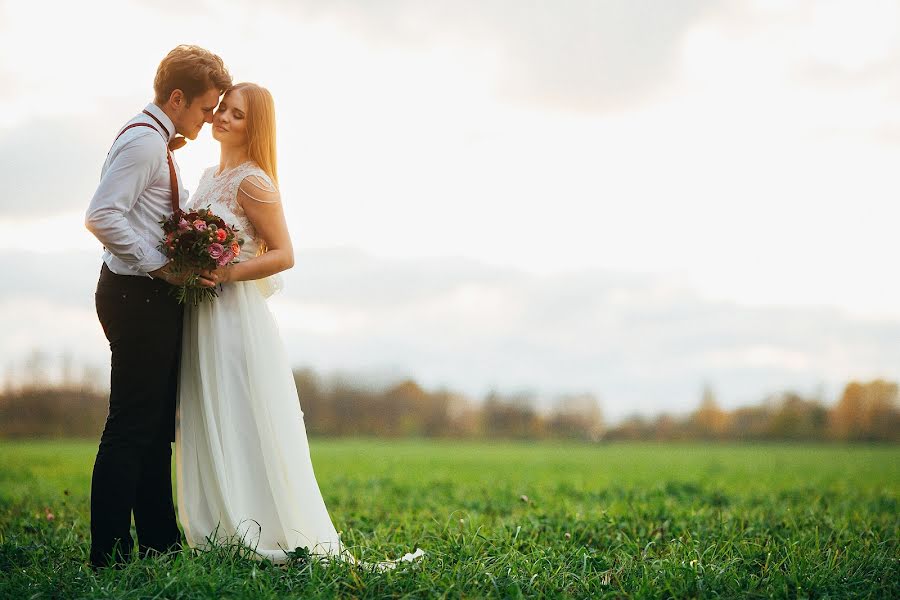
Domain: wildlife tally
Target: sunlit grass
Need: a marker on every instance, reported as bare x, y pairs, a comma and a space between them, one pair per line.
510, 520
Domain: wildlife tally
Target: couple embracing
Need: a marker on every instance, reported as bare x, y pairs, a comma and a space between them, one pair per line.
243, 467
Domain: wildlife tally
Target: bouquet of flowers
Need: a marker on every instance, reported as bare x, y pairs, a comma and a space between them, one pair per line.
198, 241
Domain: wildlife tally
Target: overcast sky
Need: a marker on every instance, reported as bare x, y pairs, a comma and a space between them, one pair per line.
627, 197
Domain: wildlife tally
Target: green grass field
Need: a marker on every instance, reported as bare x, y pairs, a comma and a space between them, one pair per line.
509, 520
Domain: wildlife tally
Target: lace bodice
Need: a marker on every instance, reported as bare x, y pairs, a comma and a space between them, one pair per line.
220, 193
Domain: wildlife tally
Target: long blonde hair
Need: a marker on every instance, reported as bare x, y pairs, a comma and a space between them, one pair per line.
260, 127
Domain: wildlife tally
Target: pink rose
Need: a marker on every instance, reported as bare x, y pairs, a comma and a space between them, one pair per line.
183, 225
226, 258
216, 251
200, 225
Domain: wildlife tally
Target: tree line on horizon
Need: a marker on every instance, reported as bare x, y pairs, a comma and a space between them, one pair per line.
341, 405
865, 412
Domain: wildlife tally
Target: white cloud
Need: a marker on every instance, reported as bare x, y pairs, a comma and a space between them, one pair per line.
640, 343
579, 55
602, 159
52, 165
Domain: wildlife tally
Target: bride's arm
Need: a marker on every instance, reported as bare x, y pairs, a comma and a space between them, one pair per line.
264, 211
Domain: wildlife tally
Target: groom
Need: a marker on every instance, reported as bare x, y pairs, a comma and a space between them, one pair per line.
138, 188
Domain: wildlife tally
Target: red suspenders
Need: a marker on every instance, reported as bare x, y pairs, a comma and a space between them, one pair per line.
173, 179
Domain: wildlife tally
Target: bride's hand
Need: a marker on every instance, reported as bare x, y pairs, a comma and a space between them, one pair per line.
166, 274
215, 277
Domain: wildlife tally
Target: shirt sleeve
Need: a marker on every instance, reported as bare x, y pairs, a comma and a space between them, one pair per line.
124, 180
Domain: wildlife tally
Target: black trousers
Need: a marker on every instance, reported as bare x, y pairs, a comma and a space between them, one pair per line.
132, 472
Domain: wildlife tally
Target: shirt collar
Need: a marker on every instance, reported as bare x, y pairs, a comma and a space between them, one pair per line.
163, 117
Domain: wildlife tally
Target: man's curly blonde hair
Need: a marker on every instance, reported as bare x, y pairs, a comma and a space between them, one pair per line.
191, 69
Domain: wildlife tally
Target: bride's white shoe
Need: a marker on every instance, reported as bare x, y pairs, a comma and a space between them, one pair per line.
387, 565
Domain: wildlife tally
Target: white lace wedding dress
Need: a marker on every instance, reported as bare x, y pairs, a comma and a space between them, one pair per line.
242, 457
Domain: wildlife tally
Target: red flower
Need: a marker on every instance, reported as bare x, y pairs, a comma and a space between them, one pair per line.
221, 235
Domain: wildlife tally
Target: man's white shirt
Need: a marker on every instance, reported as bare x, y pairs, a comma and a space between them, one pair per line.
134, 195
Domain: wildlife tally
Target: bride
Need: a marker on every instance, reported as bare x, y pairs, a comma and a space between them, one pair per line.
242, 456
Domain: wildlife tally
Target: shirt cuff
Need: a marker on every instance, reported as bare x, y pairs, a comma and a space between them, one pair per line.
152, 261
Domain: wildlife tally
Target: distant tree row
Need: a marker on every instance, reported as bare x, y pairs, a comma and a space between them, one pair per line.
865, 412
333, 406
344, 406
340, 406
52, 411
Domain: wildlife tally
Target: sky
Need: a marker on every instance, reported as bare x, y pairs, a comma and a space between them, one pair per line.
629, 198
